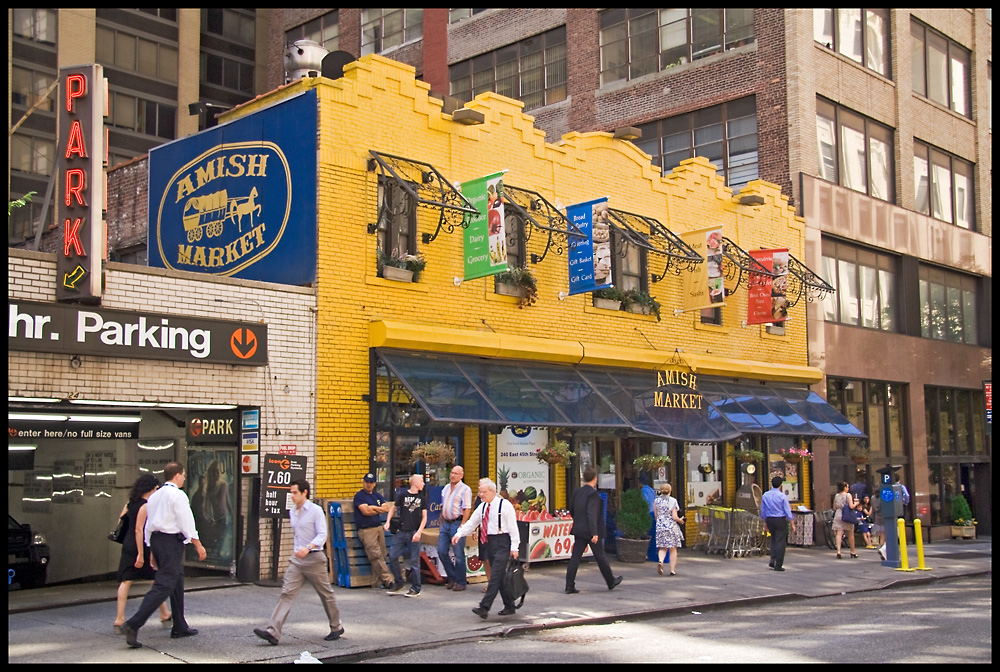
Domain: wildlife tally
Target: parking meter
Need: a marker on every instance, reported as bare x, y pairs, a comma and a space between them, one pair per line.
891, 495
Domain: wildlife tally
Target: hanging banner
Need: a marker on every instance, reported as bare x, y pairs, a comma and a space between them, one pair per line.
703, 286
767, 300
485, 247
590, 259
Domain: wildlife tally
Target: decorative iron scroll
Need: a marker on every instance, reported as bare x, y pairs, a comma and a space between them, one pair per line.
539, 214
803, 281
427, 188
649, 234
738, 263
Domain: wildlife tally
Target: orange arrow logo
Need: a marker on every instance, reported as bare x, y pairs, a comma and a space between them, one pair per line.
243, 343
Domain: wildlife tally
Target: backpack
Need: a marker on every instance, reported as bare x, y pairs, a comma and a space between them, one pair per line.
515, 581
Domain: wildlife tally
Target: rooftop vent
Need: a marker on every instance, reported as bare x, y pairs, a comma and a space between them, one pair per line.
303, 58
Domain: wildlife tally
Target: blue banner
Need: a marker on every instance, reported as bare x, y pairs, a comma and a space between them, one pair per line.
239, 200
590, 259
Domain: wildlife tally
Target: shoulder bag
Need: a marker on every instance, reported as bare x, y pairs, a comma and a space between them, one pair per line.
118, 534
849, 515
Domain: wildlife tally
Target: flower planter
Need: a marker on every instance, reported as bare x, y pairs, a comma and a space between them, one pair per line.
638, 309
859, 460
632, 550
963, 531
504, 289
606, 304
397, 274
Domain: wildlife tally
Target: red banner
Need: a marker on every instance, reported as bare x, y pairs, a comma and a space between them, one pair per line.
767, 300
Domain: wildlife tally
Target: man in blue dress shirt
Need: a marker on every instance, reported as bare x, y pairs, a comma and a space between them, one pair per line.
777, 514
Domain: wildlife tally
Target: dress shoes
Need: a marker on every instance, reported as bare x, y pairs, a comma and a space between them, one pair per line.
458, 586
450, 584
480, 612
508, 611
131, 635
779, 569
570, 591
617, 581
266, 636
177, 634
334, 634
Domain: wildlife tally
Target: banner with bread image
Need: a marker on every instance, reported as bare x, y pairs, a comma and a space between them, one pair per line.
590, 259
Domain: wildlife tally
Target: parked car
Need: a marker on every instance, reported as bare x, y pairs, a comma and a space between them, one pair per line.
27, 556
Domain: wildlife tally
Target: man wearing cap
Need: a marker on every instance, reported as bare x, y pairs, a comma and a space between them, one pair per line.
368, 504
456, 506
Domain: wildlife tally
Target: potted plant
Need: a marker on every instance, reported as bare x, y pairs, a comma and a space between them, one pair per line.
962, 523
398, 265
609, 298
434, 452
634, 522
557, 453
859, 452
649, 461
519, 283
748, 454
794, 454
637, 301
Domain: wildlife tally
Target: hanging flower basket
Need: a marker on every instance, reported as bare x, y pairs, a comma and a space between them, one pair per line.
859, 453
749, 455
794, 454
650, 461
557, 453
433, 452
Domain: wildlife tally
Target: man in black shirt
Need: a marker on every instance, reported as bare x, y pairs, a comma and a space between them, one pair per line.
411, 505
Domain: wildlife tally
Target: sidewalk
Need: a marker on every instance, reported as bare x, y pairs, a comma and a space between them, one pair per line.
73, 623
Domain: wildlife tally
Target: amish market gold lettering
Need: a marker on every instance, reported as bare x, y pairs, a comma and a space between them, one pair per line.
235, 165
211, 257
682, 378
675, 400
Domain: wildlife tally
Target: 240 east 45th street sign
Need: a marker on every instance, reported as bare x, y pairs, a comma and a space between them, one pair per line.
82, 330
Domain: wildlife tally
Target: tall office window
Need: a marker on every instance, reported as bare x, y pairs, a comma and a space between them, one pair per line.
120, 49
855, 151
865, 281
456, 15
385, 28
724, 134
948, 305
397, 219
861, 35
943, 186
27, 87
323, 29
231, 24
37, 25
941, 68
532, 71
637, 42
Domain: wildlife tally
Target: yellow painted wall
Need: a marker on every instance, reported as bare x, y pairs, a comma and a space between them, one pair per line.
379, 105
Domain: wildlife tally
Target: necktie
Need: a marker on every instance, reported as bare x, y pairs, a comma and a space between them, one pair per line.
486, 520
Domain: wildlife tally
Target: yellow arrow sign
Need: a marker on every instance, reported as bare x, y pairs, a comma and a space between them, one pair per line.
70, 279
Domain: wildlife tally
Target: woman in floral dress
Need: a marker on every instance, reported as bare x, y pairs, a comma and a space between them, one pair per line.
668, 528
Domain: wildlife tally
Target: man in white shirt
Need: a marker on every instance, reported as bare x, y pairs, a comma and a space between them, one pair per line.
498, 523
456, 506
308, 563
169, 526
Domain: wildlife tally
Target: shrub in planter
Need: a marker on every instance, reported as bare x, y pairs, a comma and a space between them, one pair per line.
633, 517
961, 514
634, 297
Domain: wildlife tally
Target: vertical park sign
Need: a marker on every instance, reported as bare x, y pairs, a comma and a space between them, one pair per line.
82, 197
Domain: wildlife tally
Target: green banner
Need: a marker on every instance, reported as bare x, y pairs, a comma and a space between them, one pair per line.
485, 247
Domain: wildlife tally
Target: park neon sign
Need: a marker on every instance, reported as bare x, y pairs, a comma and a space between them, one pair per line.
82, 197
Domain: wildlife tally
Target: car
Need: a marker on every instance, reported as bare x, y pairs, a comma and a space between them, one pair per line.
27, 556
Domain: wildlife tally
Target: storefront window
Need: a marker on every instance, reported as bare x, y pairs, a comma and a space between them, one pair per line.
704, 474
876, 418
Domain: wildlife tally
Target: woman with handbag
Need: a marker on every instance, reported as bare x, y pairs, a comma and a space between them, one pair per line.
136, 563
845, 517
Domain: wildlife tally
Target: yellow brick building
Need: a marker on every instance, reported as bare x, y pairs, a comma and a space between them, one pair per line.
378, 106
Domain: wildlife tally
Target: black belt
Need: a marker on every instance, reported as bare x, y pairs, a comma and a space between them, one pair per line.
179, 535
450, 520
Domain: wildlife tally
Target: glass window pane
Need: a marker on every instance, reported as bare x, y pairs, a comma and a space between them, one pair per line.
969, 316
939, 311
849, 33
887, 299
964, 202
125, 51
105, 47
168, 63
147, 58
963, 420
830, 300
959, 81
940, 186
852, 149
881, 164
739, 27
917, 59
848, 293
937, 68
876, 41
706, 33
826, 139
869, 298
955, 312
920, 175
124, 112
925, 309
876, 418
947, 398
896, 427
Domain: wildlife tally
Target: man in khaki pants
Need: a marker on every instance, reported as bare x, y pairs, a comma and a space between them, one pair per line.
308, 563
368, 504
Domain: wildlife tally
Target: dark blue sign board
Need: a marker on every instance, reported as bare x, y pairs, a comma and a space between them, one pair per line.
239, 200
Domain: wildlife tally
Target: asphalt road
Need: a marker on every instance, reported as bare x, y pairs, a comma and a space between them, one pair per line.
949, 621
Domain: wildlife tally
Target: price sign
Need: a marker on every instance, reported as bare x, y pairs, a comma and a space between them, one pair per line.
279, 473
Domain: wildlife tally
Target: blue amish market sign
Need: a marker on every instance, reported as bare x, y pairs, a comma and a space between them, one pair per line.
239, 199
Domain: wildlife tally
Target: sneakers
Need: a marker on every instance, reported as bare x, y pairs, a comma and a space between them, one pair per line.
881, 552
413, 592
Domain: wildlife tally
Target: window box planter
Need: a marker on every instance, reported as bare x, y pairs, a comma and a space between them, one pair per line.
638, 310
505, 289
397, 274
606, 304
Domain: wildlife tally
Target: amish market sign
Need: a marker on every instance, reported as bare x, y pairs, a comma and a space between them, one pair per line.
678, 390
83, 330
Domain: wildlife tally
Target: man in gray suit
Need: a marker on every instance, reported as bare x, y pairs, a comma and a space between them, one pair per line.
588, 529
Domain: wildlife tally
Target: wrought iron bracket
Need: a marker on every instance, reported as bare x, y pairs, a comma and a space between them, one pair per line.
427, 188
803, 281
738, 263
541, 215
649, 234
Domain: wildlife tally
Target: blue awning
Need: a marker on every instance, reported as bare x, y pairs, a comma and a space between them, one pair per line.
778, 409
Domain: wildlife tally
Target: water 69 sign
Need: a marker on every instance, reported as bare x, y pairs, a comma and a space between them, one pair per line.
280, 471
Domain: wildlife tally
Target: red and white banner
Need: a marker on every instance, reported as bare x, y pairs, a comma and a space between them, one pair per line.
767, 300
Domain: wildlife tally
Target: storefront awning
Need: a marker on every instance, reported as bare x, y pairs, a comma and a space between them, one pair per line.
455, 389
778, 409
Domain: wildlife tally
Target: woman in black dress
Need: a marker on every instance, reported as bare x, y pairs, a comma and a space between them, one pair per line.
136, 563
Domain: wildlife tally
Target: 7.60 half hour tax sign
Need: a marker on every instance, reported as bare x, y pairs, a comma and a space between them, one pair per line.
279, 472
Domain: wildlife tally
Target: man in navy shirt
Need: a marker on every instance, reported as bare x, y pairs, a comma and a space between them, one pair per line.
777, 514
368, 505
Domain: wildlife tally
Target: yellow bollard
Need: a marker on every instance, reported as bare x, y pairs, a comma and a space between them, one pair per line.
919, 538
901, 530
